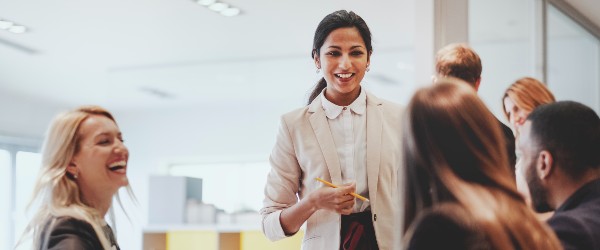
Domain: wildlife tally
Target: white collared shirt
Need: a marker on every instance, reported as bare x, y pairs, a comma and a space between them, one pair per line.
348, 125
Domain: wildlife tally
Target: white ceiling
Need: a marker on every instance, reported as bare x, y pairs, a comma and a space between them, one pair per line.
126, 53
115, 52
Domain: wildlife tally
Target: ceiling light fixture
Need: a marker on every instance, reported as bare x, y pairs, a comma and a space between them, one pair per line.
220, 7
206, 2
12, 26
17, 29
231, 11
4, 24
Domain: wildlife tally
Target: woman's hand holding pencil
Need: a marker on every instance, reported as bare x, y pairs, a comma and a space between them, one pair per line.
335, 186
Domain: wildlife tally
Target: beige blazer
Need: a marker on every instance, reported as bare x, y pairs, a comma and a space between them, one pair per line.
305, 150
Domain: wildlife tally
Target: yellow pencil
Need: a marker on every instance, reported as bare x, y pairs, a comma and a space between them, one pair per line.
334, 186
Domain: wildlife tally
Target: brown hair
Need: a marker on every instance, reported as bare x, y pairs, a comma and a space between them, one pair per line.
460, 61
527, 93
450, 143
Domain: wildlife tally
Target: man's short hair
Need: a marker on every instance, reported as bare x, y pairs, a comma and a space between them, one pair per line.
570, 131
460, 61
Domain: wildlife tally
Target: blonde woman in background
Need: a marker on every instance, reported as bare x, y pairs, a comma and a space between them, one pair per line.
84, 163
522, 97
459, 192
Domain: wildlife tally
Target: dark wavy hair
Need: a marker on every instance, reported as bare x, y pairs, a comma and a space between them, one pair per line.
331, 22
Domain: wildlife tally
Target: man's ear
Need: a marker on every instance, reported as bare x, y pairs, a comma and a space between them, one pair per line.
477, 84
545, 165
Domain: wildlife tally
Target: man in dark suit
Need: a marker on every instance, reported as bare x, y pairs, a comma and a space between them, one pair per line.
460, 61
560, 146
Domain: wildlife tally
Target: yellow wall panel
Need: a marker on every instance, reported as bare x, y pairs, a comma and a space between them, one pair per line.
192, 240
253, 240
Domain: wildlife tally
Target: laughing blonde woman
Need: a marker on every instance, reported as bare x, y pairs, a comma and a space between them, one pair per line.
84, 163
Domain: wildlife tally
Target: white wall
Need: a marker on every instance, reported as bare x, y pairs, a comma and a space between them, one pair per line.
21, 116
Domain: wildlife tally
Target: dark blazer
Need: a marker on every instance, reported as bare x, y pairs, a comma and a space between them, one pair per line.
68, 233
446, 227
577, 221
509, 139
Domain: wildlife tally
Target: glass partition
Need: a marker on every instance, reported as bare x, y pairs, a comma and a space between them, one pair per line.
501, 33
573, 61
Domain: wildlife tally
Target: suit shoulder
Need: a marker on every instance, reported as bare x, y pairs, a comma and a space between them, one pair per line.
392, 110
295, 115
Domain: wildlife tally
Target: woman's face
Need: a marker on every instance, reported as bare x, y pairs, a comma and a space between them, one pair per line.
343, 59
101, 162
516, 114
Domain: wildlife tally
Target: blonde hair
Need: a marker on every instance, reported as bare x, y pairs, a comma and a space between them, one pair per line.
55, 187
460, 61
527, 93
450, 142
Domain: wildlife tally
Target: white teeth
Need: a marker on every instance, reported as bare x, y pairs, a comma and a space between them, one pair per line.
117, 164
344, 75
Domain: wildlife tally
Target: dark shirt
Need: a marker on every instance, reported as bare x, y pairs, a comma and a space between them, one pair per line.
509, 139
68, 233
577, 221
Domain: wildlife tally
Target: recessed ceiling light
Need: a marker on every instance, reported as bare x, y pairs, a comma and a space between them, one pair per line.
232, 11
206, 2
17, 29
5, 24
218, 7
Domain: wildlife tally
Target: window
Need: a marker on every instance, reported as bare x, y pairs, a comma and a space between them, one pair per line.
27, 169
501, 33
18, 173
5, 195
573, 61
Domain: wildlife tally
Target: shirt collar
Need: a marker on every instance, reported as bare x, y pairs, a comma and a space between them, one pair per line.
332, 111
585, 193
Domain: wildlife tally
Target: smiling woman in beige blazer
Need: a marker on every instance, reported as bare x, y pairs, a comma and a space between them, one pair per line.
346, 136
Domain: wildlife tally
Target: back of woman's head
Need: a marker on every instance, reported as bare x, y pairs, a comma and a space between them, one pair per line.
528, 93
331, 22
454, 152
449, 131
